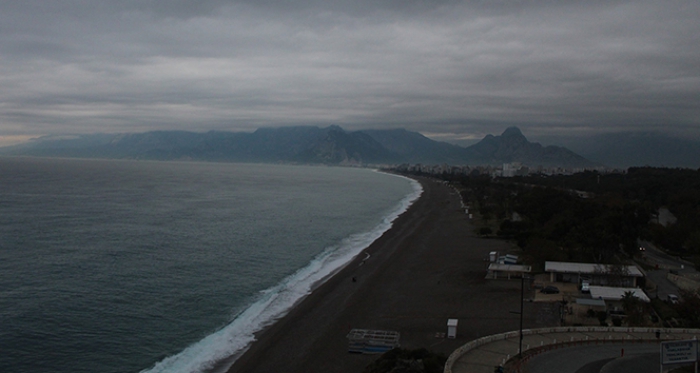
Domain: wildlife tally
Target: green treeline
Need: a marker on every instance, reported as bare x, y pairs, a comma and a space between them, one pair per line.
589, 216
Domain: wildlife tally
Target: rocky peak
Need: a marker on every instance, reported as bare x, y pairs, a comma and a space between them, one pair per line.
512, 132
513, 146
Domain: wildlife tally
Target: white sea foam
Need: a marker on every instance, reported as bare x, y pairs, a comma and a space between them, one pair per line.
276, 302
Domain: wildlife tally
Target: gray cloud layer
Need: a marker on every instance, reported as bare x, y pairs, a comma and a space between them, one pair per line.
445, 68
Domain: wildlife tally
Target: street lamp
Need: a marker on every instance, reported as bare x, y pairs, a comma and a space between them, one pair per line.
522, 303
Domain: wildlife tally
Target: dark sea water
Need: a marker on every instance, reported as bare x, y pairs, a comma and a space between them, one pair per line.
131, 266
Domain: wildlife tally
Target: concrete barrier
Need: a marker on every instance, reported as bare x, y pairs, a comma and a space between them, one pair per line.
684, 282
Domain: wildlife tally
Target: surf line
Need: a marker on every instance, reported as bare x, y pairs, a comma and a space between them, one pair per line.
365, 259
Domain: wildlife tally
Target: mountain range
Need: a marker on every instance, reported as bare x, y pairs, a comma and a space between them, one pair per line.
305, 144
622, 150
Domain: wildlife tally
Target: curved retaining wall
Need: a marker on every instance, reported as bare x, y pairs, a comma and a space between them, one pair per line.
564, 329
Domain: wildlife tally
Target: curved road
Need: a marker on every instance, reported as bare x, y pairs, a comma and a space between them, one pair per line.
592, 350
617, 358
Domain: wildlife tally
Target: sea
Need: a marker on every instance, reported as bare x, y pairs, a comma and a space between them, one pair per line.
140, 266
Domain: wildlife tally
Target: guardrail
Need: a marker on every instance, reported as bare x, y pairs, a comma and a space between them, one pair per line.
458, 353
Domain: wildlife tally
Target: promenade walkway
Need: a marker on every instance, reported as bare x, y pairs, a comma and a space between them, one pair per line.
484, 354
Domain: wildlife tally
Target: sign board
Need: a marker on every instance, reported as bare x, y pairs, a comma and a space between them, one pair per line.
679, 352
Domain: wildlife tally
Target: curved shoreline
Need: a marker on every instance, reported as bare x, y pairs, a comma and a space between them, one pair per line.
322, 268
231, 364
217, 351
412, 282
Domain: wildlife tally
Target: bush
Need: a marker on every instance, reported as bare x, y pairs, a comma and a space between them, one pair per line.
419, 360
602, 316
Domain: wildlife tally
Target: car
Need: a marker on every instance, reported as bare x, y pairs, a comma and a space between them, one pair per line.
550, 290
672, 298
585, 287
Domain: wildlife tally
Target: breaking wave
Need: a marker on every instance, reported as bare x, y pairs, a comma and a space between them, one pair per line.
235, 338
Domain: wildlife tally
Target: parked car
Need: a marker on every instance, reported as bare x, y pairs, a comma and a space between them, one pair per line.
672, 298
550, 290
585, 287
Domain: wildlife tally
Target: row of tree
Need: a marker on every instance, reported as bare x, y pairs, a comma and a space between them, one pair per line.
588, 216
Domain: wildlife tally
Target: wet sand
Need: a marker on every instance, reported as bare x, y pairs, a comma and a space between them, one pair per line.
429, 267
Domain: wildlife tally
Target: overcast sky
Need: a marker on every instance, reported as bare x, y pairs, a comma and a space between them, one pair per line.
446, 68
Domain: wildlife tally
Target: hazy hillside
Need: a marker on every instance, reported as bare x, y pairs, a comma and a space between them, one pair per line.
412, 147
638, 149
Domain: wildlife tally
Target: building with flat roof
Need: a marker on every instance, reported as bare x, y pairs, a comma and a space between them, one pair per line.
608, 293
595, 274
612, 296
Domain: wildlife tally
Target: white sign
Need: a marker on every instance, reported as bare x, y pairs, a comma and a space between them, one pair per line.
679, 352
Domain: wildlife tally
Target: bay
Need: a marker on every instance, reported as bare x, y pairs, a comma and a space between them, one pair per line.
130, 266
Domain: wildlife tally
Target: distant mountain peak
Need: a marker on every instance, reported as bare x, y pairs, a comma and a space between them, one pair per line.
513, 146
334, 127
512, 132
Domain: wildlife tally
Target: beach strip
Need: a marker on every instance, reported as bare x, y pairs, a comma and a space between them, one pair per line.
427, 268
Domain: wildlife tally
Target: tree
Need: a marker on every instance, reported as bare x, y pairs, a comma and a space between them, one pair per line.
634, 309
617, 274
689, 308
602, 317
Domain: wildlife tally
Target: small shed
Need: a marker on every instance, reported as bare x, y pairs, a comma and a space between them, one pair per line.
493, 256
452, 328
596, 305
365, 341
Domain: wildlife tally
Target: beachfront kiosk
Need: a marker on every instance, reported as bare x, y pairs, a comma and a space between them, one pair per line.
364, 341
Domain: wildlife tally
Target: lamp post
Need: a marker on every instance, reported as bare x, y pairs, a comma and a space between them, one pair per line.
522, 303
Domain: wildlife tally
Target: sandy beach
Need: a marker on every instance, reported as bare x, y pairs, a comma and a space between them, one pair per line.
428, 268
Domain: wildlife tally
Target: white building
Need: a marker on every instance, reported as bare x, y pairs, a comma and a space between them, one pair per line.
510, 169
595, 274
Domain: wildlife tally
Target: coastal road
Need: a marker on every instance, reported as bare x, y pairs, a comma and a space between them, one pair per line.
655, 256
665, 263
664, 286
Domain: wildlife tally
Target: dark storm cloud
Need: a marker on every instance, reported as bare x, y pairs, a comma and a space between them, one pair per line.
445, 68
